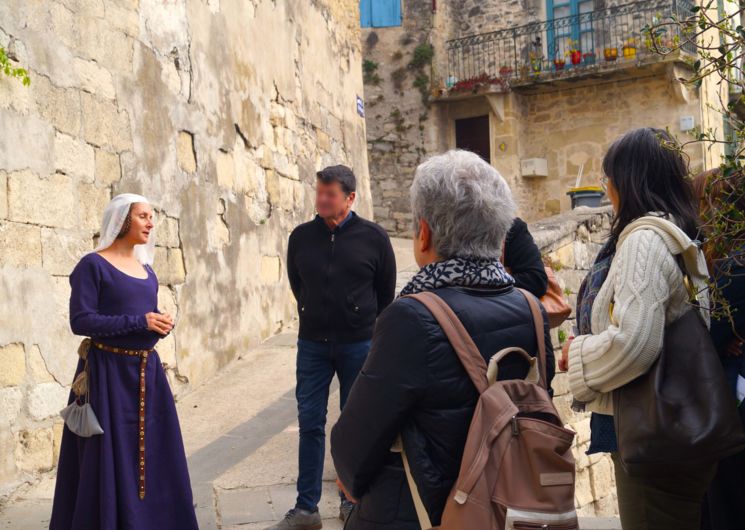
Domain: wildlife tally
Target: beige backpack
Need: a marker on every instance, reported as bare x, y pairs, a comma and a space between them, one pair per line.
517, 470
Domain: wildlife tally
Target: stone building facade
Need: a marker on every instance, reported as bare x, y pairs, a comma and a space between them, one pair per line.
220, 111
481, 91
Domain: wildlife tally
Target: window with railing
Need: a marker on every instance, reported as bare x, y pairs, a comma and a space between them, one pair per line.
585, 38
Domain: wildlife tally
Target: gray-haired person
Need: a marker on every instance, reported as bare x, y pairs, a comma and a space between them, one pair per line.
413, 382
343, 274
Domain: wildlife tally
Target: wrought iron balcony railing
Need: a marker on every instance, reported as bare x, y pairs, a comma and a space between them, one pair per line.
568, 46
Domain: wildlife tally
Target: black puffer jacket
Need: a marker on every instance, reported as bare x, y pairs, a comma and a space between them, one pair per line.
413, 383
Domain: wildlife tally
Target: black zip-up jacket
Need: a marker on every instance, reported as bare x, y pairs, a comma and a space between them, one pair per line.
342, 279
523, 259
414, 384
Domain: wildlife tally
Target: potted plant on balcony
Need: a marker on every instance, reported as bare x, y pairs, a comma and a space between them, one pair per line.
574, 53
559, 63
588, 58
479, 82
610, 54
629, 48
535, 56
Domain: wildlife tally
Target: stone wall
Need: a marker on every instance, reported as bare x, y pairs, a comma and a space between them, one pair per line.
398, 121
220, 111
570, 242
568, 123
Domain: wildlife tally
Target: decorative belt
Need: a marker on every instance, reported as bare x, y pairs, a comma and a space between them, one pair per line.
142, 354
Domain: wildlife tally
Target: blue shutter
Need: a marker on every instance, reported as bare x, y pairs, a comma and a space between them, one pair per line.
366, 13
386, 13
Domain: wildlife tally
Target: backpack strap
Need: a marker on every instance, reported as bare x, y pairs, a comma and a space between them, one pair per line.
540, 335
462, 343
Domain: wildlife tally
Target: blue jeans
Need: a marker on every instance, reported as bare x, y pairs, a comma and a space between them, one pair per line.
317, 362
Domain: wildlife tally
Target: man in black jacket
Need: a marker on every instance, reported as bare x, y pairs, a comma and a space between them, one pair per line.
342, 271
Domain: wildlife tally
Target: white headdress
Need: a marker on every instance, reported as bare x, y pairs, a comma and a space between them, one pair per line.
113, 219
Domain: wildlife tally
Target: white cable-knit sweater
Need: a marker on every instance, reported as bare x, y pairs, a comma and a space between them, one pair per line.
646, 286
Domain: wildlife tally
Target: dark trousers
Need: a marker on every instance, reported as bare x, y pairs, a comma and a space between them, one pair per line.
669, 501
317, 362
724, 506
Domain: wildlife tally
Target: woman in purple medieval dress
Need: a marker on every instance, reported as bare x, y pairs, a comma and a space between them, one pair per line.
132, 476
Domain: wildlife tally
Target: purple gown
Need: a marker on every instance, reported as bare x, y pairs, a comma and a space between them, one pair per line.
97, 477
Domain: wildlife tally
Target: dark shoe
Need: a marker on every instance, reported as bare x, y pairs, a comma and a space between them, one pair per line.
345, 510
298, 519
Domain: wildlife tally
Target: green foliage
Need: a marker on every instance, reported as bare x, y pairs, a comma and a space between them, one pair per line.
719, 42
8, 69
562, 336
422, 56
422, 84
370, 72
398, 76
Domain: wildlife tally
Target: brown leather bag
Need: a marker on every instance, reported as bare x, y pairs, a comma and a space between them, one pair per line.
682, 410
553, 301
517, 470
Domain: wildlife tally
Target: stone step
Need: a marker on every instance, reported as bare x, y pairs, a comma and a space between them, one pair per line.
599, 523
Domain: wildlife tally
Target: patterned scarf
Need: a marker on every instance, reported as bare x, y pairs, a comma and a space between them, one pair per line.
602, 430
591, 285
463, 272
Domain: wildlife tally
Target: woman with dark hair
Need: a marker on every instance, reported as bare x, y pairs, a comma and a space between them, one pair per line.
719, 197
632, 292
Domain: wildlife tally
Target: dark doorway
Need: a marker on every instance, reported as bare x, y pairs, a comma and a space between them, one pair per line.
472, 134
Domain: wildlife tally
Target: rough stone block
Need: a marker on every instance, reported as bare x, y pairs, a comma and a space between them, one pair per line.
108, 170
3, 195
46, 400
57, 430
93, 78
169, 266
94, 200
62, 249
7, 452
35, 450
602, 475
13, 362
607, 506
11, 400
22, 244
167, 232
225, 168
583, 431
270, 270
26, 143
286, 194
583, 490
37, 366
187, 159
104, 125
73, 157
59, 106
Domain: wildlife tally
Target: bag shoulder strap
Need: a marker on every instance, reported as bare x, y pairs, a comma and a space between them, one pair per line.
421, 511
459, 338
